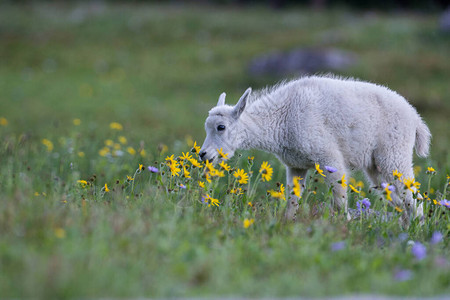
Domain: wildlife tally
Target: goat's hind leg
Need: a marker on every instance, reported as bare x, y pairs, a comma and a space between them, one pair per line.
401, 197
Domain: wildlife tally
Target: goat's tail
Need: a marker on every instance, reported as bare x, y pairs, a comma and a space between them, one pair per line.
423, 137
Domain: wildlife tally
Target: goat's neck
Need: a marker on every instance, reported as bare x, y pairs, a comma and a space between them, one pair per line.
258, 132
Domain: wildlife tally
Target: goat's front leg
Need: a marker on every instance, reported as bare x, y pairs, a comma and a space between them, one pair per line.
339, 192
292, 200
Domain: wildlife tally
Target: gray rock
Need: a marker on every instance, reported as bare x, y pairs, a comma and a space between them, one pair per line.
444, 22
301, 61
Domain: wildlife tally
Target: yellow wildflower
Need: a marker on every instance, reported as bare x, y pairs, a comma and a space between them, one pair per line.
186, 156
106, 188
211, 171
186, 172
397, 174
250, 158
195, 163
122, 140
83, 183
225, 166
174, 170
388, 192
109, 143
195, 148
141, 167
222, 155
143, 153
209, 166
201, 184
117, 146
76, 122
104, 151
80, 154
217, 173
411, 184
297, 188
241, 176
431, 170
129, 178
237, 191
211, 201
115, 126
356, 184
3, 121
60, 233
266, 171
319, 171
131, 150
398, 209
354, 189
36, 194
278, 194
248, 222
47, 143
171, 160
208, 177
250, 204
342, 182
214, 201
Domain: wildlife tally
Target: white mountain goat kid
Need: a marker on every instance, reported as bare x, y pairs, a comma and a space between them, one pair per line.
345, 124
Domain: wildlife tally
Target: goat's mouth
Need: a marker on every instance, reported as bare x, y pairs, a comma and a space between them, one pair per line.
213, 160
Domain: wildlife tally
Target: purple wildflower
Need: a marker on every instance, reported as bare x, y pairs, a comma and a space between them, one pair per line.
445, 203
363, 204
338, 246
153, 169
403, 275
419, 250
182, 186
436, 238
330, 169
203, 200
390, 187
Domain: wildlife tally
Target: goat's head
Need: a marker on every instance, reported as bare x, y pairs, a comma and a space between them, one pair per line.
222, 128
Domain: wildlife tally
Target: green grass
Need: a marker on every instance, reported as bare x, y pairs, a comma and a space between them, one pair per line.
158, 70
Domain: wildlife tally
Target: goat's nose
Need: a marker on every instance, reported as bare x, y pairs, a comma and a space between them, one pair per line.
202, 154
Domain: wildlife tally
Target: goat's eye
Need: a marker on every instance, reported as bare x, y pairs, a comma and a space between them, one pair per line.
220, 127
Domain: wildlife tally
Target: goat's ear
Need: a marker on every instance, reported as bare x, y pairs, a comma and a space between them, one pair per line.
221, 99
240, 106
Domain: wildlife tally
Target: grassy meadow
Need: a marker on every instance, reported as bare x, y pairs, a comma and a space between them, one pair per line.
102, 196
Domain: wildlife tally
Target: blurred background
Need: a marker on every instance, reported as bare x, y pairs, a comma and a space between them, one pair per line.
157, 67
